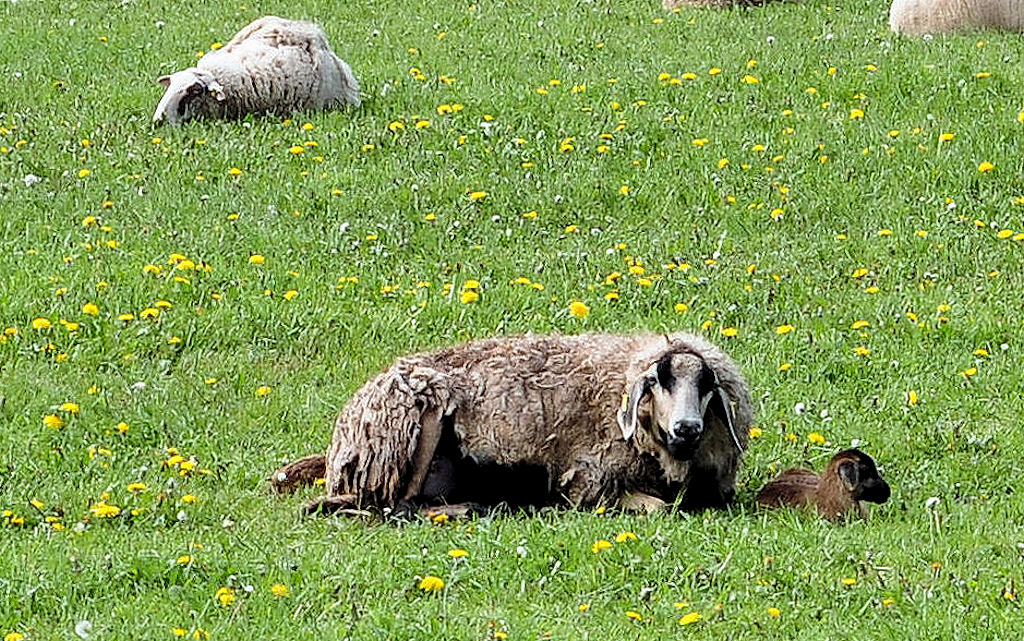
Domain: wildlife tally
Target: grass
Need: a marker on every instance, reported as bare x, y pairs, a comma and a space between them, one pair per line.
374, 231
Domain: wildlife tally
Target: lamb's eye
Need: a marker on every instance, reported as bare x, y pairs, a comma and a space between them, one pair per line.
194, 90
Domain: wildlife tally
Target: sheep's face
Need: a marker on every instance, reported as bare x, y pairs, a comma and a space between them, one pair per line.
187, 94
860, 476
673, 401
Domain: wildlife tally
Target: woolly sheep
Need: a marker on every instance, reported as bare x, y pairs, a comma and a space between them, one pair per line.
918, 17
272, 66
635, 420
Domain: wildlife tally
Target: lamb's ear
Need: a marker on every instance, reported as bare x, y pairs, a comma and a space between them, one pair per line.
216, 90
164, 80
849, 475
720, 406
627, 414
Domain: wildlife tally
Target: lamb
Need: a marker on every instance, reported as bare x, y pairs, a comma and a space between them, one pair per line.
849, 479
273, 66
593, 419
918, 17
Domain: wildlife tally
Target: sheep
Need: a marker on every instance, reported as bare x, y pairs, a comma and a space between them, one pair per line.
271, 66
593, 419
918, 17
849, 479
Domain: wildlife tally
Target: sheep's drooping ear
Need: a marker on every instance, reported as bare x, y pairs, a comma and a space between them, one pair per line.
216, 90
627, 414
164, 80
720, 406
849, 475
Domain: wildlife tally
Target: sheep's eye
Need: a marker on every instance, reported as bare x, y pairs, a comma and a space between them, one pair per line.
194, 90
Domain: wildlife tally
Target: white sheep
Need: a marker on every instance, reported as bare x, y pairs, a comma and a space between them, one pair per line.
918, 17
271, 66
635, 420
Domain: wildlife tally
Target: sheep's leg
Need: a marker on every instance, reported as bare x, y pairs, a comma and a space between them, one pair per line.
640, 502
426, 446
304, 471
340, 504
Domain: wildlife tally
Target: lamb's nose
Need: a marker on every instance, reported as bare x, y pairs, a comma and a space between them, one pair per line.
687, 428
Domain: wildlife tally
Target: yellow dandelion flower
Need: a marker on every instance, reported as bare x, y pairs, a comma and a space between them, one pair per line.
624, 190
862, 351
774, 613
887, 602
53, 421
41, 324
69, 407
859, 324
234, 171
946, 137
785, 367
583, 607
856, 114
816, 438
122, 427
784, 329
225, 595
137, 487
849, 582
633, 615
14, 636
578, 309
290, 294
104, 510
860, 272
912, 399
263, 390
729, 332
680, 307
257, 259
985, 167
82, 173
689, 618
751, 80
600, 545
296, 149
457, 553
469, 296
755, 432
477, 195
622, 537
279, 590
431, 584
188, 498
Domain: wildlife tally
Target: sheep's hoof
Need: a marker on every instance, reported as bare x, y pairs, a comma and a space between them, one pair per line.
305, 471
341, 504
440, 513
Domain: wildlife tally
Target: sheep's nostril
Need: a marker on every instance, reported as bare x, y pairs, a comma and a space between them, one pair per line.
687, 429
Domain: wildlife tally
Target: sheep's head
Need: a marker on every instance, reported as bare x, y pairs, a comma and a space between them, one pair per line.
187, 93
859, 475
674, 402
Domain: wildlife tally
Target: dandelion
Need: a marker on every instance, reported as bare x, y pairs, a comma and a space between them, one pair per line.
41, 324
477, 195
469, 296
83, 173
634, 615
263, 390
53, 421
985, 167
784, 329
751, 80
188, 498
946, 137
14, 636
256, 259
689, 618
859, 324
583, 607
860, 272
969, 372
774, 613
234, 171
680, 307
104, 510
849, 582
624, 190
578, 309
600, 545
862, 351
431, 584
729, 332
137, 487
296, 149
785, 367
755, 432
887, 602
69, 407
856, 114
816, 438
1004, 234
279, 590
91, 309
225, 595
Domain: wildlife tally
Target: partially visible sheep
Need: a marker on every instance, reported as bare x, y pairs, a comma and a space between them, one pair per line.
590, 419
918, 17
271, 66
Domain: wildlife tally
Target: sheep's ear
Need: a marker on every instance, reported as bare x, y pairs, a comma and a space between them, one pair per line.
627, 414
164, 80
849, 475
720, 406
216, 90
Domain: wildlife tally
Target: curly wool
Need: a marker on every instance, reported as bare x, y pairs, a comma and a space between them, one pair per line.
549, 401
919, 17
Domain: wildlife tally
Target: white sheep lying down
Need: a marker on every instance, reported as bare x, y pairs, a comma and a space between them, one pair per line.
634, 420
918, 17
273, 66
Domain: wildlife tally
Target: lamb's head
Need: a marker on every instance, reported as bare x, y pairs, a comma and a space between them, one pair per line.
859, 475
674, 402
189, 92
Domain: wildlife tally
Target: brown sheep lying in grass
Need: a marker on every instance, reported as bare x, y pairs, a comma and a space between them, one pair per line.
849, 479
635, 420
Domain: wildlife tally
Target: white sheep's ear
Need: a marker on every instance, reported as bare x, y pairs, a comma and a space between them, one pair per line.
216, 90
627, 416
164, 80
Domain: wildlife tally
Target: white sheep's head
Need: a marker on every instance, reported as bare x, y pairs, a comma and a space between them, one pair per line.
674, 401
188, 91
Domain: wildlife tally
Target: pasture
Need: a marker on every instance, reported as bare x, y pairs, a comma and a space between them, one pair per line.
184, 309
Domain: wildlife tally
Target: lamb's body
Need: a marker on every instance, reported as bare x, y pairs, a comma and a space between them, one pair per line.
918, 17
273, 66
543, 401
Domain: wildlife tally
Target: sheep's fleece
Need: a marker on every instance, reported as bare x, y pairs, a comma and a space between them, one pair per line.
542, 400
271, 66
919, 17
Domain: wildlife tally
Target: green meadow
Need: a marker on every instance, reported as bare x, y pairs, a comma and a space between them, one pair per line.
182, 310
